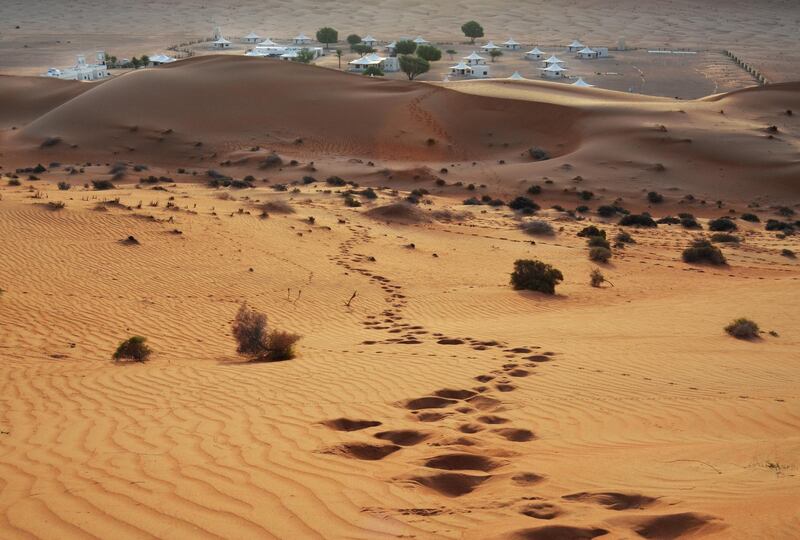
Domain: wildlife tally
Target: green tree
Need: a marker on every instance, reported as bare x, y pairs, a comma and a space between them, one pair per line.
304, 56
135, 62
413, 66
353, 39
339, 57
327, 35
362, 49
145, 60
494, 53
429, 53
451, 53
472, 30
405, 46
373, 71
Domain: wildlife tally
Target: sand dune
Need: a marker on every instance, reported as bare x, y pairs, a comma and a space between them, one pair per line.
438, 402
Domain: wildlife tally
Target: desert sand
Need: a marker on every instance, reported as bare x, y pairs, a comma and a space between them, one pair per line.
440, 403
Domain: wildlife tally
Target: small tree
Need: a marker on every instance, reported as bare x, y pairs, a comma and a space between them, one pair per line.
362, 49
353, 39
327, 35
405, 46
144, 60
134, 348
535, 275
339, 57
373, 71
413, 66
135, 62
472, 30
596, 278
451, 53
304, 56
429, 53
495, 53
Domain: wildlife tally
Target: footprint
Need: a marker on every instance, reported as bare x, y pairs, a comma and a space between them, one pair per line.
516, 435
492, 419
541, 510
613, 500
484, 378
430, 416
527, 479
450, 484
558, 532
675, 525
519, 372
450, 341
505, 387
470, 428
429, 402
485, 403
403, 437
450, 393
369, 452
347, 424
463, 462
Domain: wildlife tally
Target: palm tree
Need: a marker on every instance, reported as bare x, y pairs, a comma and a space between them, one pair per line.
339, 57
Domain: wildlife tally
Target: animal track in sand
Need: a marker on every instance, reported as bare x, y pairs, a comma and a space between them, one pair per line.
527, 479
558, 532
347, 424
365, 451
485, 403
515, 434
541, 510
403, 437
669, 526
492, 419
613, 500
450, 393
429, 402
450, 484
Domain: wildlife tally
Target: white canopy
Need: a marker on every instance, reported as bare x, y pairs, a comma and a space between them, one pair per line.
586, 50
221, 41
419, 41
252, 35
583, 84
516, 76
461, 66
510, 42
161, 59
302, 37
289, 54
553, 60
554, 68
371, 59
535, 51
489, 46
369, 38
392, 45
474, 56
575, 44
267, 43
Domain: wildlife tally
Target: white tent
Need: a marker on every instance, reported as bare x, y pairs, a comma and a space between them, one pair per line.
420, 41
586, 52
460, 69
301, 39
534, 54
553, 60
511, 44
553, 71
369, 40
391, 46
252, 37
516, 76
575, 46
474, 59
221, 43
158, 59
582, 84
489, 46
267, 43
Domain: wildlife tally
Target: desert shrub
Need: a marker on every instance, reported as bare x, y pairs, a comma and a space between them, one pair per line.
702, 251
277, 207
523, 204
591, 230
39, 169
611, 210
586, 195
254, 340
537, 227
752, 218
582, 209
368, 193
64, 186
596, 278
102, 184
637, 220
722, 224
336, 181
784, 211
351, 202
472, 201
624, 237
690, 223
134, 348
14, 182
600, 254
56, 205
742, 329
655, 197
272, 160
788, 253
598, 241
775, 225
668, 220
535, 190
496, 202
724, 238
50, 141
241, 184
538, 154
535, 275
309, 180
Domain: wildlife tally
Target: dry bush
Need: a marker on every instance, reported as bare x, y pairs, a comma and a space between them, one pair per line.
281, 345
134, 348
537, 227
277, 207
254, 340
535, 275
600, 254
742, 329
703, 251
596, 278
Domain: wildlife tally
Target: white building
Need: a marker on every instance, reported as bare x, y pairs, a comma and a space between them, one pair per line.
267, 43
474, 59
553, 71
582, 84
251, 38
467, 71
420, 41
369, 41
287, 52
575, 46
301, 39
516, 76
586, 53
220, 43
82, 71
489, 47
391, 47
511, 44
534, 54
374, 60
553, 60
159, 59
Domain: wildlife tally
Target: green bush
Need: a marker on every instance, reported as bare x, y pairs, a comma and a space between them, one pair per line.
535, 275
637, 220
598, 241
722, 224
724, 238
537, 227
600, 254
102, 184
702, 251
134, 348
742, 329
590, 231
